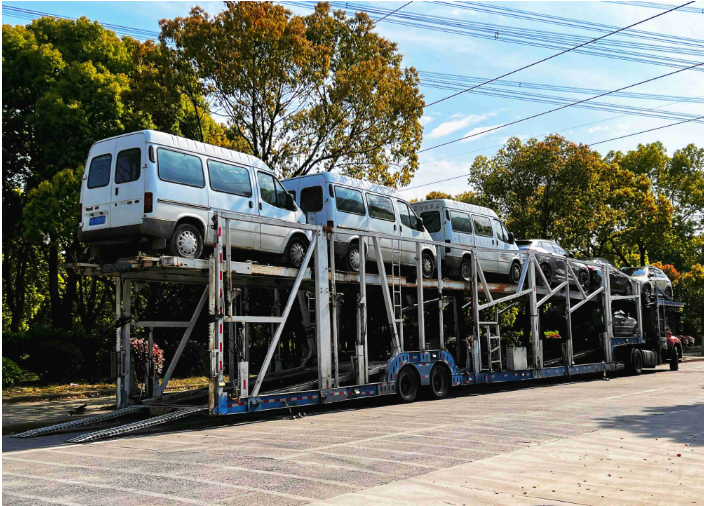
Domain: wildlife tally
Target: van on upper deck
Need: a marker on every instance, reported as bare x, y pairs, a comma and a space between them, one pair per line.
469, 225
154, 190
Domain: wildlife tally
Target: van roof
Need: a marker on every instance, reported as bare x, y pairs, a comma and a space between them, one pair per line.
350, 181
164, 139
453, 204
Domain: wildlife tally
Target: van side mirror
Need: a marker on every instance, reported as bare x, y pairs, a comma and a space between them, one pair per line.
290, 203
570, 254
419, 225
511, 238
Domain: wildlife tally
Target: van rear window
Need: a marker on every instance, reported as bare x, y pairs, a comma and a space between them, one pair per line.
380, 208
99, 174
312, 199
349, 201
431, 221
127, 168
180, 168
229, 178
461, 222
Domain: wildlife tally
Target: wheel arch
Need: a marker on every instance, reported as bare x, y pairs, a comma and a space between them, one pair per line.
194, 220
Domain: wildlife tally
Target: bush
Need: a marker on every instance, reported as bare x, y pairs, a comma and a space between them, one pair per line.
11, 373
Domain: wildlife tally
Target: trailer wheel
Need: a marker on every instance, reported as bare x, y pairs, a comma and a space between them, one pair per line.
674, 359
439, 381
407, 384
635, 366
186, 242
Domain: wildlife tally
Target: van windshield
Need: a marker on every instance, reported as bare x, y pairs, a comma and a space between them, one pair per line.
431, 221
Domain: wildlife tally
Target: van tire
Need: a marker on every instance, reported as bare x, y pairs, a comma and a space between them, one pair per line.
466, 269
352, 260
428, 264
514, 274
296, 252
186, 242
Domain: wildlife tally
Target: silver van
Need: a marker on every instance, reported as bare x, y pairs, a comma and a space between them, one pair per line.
344, 202
158, 191
459, 223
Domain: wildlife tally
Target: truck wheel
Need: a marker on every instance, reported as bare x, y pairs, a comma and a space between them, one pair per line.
674, 359
407, 385
439, 382
296, 252
428, 265
466, 269
635, 367
353, 258
186, 242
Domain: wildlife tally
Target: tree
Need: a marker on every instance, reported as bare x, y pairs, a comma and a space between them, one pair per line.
692, 284
312, 93
467, 197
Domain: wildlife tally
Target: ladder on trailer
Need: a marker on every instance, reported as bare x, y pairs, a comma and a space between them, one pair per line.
396, 296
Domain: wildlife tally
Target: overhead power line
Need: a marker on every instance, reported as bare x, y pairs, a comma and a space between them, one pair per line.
558, 109
653, 5
555, 55
391, 13
644, 131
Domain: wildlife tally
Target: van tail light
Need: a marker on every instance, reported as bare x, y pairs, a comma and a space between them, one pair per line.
148, 202
80, 209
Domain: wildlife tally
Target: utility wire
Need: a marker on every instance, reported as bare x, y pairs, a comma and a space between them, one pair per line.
390, 13
555, 55
653, 5
643, 131
558, 108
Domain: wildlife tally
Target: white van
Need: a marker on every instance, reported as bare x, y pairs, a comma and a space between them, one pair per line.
459, 223
157, 191
344, 202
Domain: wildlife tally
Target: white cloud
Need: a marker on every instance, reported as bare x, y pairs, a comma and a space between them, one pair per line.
596, 129
476, 133
459, 123
425, 120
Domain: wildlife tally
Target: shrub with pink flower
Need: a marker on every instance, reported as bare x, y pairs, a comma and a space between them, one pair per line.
140, 351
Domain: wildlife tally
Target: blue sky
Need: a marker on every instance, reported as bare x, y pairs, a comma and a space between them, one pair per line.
431, 51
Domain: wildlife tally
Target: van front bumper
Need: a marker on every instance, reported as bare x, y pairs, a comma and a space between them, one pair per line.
150, 227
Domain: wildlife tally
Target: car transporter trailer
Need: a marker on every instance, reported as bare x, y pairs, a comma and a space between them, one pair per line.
317, 287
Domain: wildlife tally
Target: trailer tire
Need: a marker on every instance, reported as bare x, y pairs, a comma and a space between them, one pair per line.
674, 359
407, 384
439, 381
635, 366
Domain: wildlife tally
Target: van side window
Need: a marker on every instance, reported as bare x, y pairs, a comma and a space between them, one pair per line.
460, 222
271, 190
99, 174
312, 199
380, 208
482, 226
349, 201
229, 178
431, 221
128, 165
408, 217
500, 235
180, 168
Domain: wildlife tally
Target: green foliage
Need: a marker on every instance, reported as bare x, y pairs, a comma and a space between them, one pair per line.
312, 93
11, 373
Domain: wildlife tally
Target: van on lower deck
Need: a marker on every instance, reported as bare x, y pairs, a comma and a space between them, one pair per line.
469, 225
344, 202
157, 191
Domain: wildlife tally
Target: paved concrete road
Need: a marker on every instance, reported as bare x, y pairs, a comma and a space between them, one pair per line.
628, 441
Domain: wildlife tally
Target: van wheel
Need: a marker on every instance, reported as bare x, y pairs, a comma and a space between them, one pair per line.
353, 258
515, 273
583, 277
186, 242
427, 264
407, 385
645, 294
466, 269
547, 272
439, 382
296, 252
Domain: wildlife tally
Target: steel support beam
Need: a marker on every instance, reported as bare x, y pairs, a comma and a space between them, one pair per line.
335, 310
395, 344
533, 312
441, 323
419, 296
322, 314
361, 346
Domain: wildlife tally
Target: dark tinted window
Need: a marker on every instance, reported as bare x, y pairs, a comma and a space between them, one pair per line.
128, 164
431, 221
558, 249
349, 201
634, 271
380, 207
482, 226
229, 178
99, 174
460, 222
180, 168
312, 199
408, 217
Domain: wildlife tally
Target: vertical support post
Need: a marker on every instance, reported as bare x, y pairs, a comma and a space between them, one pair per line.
639, 311
212, 402
230, 310
322, 314
119, 378
243, 365
608, 315
476, 344
441, 323
420, 301
127, 313
395, 341
276, 311
150, 364
568, 324
362, 370
217, 379
335, 310
456, 320
533, 311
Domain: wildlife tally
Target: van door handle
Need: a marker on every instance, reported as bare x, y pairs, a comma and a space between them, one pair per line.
117, 190
394, 227
260, 206
250, 204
